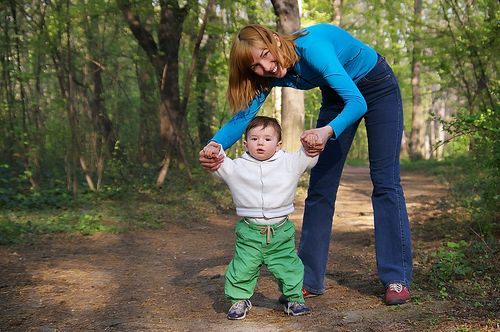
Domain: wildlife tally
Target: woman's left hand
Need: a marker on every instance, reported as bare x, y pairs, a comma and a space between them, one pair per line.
323, 134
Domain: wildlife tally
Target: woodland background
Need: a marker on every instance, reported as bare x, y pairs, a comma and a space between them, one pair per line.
104, 106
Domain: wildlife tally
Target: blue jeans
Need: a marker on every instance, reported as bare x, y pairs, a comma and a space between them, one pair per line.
384, 126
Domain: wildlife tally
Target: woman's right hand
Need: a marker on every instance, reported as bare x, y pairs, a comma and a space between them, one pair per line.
314, 140
208, 159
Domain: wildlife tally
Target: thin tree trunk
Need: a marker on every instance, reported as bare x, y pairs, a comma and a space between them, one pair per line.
205, 104
403, 151
441, 137
417, 134
337, 12
292, 112
72, 114
147, 112
28, 154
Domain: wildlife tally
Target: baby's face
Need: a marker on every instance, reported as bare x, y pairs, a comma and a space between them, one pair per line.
262, 143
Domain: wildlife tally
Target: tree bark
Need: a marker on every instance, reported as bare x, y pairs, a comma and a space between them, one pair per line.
417, 134
146, 83
104, 137
337, 12
292, 112
165, 58
205, 104
27, 151
72, 113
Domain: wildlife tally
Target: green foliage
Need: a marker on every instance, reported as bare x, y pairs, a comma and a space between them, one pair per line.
91, 223
450, 264
466, 266
16, 226
316, 11
135, 204
466, 270
477, 188
463, 37
15, 195
474, 189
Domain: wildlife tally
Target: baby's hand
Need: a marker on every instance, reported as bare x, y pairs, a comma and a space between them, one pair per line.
212, 150
311, 140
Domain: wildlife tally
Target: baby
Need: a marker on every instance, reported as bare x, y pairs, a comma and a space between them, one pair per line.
263, 182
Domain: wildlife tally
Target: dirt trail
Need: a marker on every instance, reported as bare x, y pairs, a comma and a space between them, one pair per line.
172, 279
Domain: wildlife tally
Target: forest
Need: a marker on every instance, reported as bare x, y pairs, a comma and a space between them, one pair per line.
104, 106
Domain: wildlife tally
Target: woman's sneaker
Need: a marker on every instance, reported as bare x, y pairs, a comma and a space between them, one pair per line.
296, 309
239, 309
396, 294
308, 294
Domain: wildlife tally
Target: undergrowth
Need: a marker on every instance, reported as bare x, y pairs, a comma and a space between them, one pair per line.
114, 209
466, 266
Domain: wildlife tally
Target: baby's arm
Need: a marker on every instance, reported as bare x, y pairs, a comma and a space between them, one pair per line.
300, 159
214, 150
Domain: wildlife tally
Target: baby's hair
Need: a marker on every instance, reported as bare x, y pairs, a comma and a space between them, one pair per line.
264, 121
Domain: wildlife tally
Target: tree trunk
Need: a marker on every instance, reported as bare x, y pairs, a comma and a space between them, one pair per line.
72, 114
417, 134
205, 104
104, 137
403, 151
28, 154
147, 111
164, 56
292, 112
337, 12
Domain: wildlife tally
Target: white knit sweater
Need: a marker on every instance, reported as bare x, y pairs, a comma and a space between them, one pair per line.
265, 189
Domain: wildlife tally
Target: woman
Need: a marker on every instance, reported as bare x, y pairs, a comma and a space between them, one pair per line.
355, 83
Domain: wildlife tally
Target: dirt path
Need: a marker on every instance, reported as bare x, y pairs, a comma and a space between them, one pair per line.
172, 279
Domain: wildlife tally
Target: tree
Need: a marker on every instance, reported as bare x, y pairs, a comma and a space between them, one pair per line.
164, 56
206, 105
103, 132
337, 12
292, 112
418, 125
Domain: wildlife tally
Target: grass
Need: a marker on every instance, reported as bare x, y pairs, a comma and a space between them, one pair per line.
118, 209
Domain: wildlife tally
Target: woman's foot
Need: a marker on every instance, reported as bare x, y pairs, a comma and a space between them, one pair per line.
307, 294
396, 294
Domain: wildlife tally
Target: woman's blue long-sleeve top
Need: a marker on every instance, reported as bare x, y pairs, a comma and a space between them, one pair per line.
329, 56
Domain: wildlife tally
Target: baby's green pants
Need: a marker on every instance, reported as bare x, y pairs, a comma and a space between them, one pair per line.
275, 249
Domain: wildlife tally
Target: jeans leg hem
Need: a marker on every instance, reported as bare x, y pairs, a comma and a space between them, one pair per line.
404, 283
314, 291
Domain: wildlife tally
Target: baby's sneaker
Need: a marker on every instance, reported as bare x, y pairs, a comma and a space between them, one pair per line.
239, 309
296, 309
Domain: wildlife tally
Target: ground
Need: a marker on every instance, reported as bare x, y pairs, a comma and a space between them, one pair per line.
172, 279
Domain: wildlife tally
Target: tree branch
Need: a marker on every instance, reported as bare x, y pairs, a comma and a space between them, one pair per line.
194, 56
143, 36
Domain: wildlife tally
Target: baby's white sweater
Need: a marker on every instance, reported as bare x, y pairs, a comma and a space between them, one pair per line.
265, 189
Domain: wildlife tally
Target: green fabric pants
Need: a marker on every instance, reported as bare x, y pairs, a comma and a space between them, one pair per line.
276, 250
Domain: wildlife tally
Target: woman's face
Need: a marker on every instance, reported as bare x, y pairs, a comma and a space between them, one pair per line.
265, 64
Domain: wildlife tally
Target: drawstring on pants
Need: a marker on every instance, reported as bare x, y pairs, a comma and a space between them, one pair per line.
268, 230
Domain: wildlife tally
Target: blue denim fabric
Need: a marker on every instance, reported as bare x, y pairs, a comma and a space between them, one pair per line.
384, 125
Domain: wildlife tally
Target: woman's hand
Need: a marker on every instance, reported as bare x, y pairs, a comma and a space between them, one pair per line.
314, 140
210, 159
